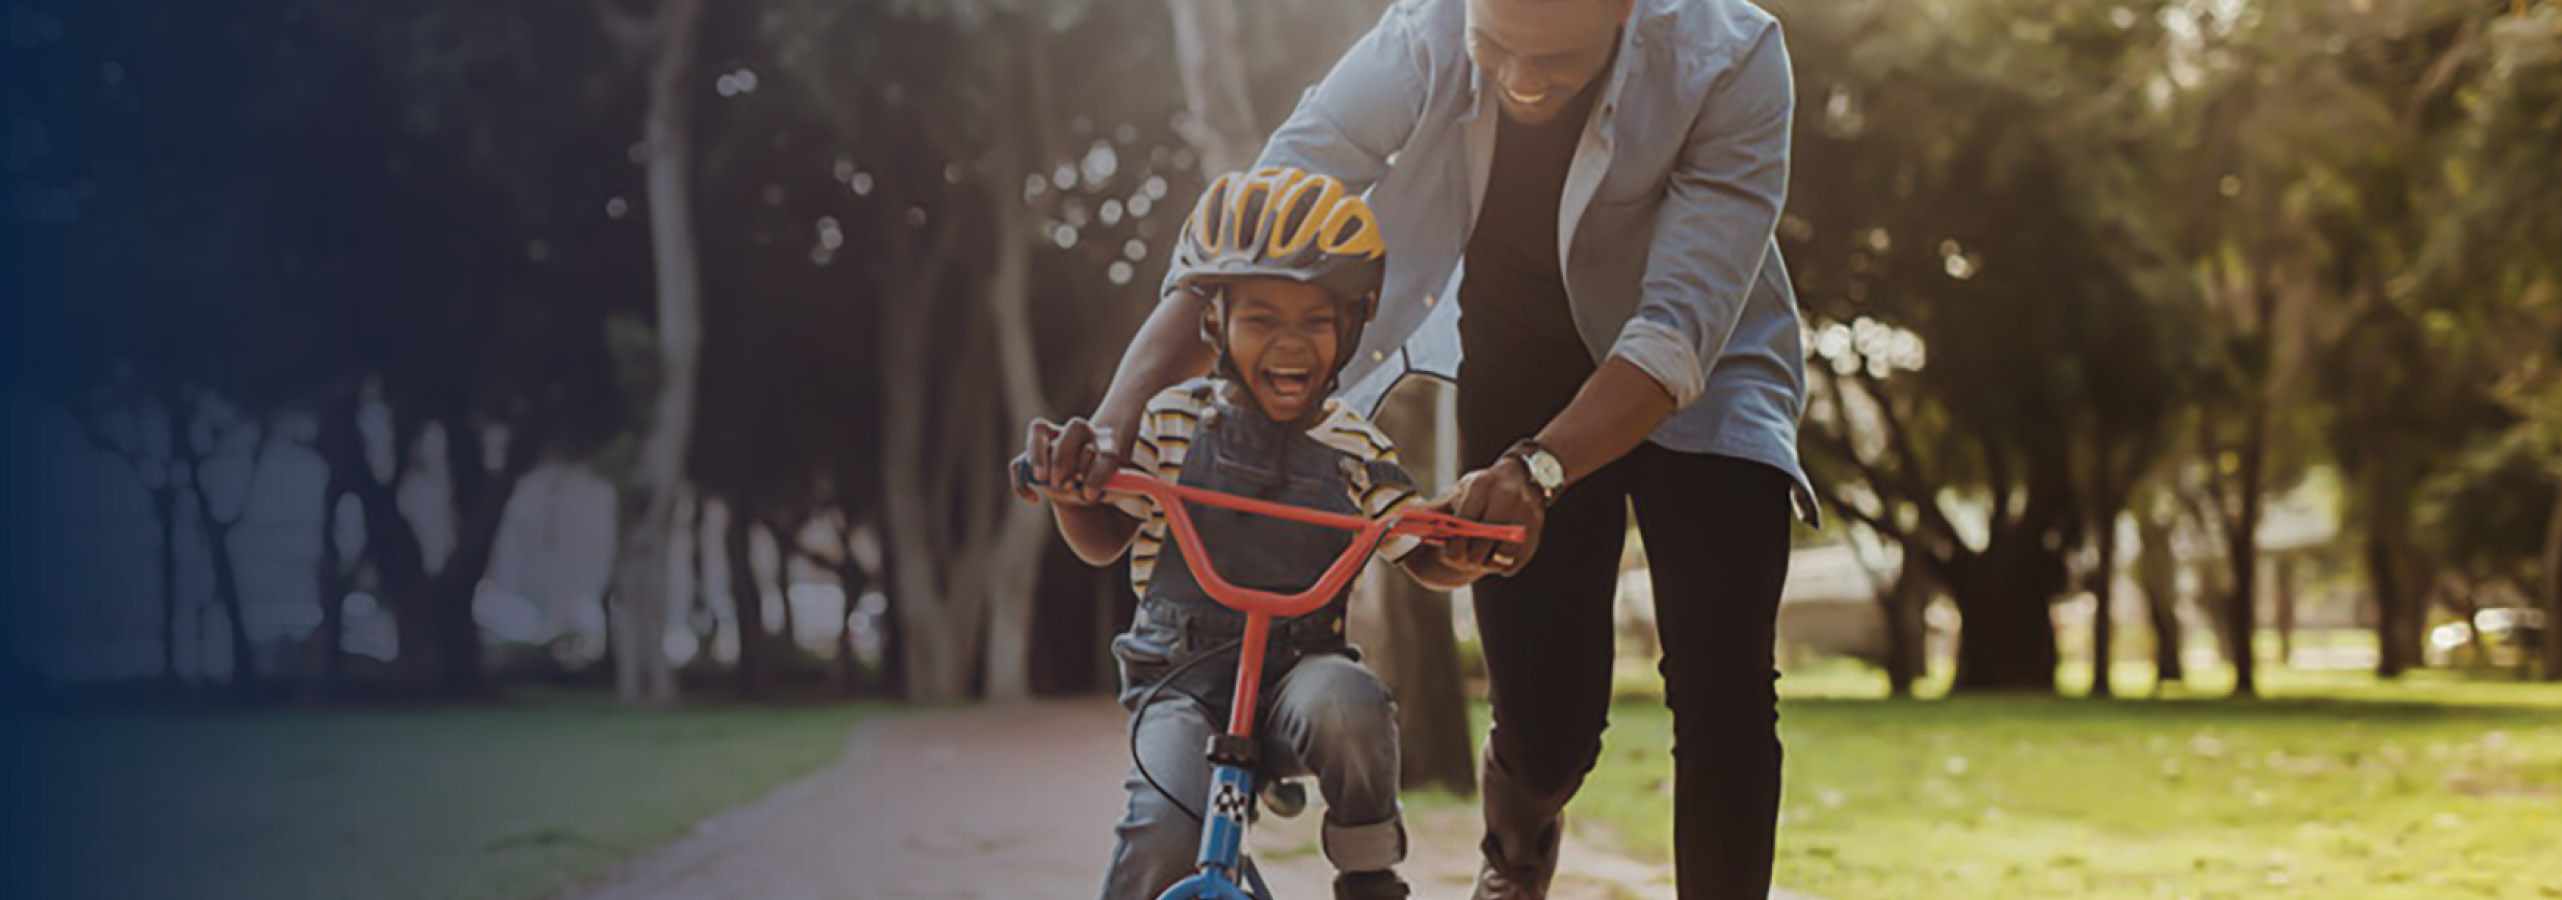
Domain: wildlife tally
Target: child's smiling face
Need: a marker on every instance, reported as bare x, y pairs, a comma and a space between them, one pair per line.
1282, 335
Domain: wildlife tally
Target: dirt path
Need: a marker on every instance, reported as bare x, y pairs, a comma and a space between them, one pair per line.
1014, 803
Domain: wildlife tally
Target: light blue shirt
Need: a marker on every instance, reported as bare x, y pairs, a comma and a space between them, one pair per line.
1665, 226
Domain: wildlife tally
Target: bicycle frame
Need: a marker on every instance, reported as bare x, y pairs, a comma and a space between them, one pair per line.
1221, 864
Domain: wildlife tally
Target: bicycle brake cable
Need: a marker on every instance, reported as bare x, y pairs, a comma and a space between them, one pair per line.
1150, 698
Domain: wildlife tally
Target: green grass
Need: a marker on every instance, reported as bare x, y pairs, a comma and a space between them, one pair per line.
504, 802
2335, 787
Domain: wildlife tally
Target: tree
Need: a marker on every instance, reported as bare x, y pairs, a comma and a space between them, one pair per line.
2496, 247
187, 411
1405, 626
641, 570
1996, 333
968, 187
147, 458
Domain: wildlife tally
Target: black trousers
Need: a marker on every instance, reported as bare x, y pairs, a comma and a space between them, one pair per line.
1716, 532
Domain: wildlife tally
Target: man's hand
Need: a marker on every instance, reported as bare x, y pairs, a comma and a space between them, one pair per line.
1070, 461
1501, 494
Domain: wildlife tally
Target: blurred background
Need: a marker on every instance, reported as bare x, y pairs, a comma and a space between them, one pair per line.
453, 447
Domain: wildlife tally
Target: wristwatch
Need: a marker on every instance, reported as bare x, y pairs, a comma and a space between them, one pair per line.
1545, 471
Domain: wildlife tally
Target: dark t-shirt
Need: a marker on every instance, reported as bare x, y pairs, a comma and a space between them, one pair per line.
1524, 359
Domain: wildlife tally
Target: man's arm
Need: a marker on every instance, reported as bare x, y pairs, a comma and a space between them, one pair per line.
1712, 234
1348, 124
1167, 350
1711, 238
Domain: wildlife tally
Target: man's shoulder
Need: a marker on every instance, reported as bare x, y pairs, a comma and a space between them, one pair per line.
1435, 31
1716, 29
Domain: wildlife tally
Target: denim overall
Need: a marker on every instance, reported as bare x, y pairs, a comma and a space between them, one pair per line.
1323, 714
1243, 452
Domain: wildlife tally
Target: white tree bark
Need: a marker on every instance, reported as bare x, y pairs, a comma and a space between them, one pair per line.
1013, 559
642, 675
1221, 127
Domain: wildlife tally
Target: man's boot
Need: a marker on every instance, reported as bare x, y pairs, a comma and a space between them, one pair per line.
1523, 831
1382, 884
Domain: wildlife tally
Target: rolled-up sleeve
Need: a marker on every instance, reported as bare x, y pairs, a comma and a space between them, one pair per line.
1712, 234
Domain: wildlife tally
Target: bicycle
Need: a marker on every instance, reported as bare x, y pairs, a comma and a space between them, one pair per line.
1224, 871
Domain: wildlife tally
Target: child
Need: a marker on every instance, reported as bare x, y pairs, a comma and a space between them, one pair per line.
1291, 263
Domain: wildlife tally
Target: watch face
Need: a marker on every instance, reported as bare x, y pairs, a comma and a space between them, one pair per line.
1545, 469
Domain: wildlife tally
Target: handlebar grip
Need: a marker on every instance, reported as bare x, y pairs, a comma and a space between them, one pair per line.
1022, 470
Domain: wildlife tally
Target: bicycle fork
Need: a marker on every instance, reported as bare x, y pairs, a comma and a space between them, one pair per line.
1223, 872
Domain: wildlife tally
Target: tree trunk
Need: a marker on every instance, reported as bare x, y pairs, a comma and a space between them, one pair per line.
164, 516
1014, 557
216, 532
341, 445
2552, 566
892, 681
458, 650
2157, 572
747, 604
1900, 607
2242, 551
785, 646
642, 676
2103, 618
2392, 568
947, 522
699, 616
2285, 584
846, 678
334, 584
1415, 648
2006, 640
1221, 125
244, 655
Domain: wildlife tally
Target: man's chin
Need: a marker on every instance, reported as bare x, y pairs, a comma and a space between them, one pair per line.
1538, 114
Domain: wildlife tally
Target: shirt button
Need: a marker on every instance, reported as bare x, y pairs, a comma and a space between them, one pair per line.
1428, 301
1378, 356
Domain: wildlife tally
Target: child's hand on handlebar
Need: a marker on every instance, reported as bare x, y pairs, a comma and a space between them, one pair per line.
1069, 461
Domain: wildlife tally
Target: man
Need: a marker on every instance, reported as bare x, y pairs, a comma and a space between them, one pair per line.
1607, 174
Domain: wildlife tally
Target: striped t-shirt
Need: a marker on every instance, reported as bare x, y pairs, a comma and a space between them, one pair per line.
1165, 438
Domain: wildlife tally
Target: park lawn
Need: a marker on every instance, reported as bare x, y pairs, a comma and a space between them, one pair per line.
505, 802
2335, 787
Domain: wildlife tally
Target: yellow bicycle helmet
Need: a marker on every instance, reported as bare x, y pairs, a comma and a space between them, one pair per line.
1285, 223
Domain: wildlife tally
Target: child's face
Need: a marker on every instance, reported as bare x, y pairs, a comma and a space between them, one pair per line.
1282, 335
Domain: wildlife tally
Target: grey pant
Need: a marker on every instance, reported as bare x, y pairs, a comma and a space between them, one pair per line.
1328, 717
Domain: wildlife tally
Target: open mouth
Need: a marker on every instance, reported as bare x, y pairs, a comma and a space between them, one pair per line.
1525, 99
1289, 383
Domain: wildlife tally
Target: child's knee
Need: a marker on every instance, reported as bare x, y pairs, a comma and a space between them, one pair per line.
1156, 835
1352, 707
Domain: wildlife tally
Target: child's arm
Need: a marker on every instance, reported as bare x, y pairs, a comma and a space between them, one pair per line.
1386, 488
1099, 534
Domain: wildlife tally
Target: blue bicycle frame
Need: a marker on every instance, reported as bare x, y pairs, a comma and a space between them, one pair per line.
1223, 871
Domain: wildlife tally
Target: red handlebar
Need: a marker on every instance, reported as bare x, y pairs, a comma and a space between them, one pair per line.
1432, 527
